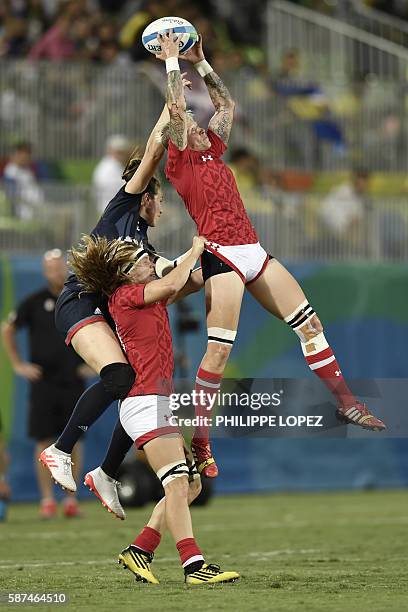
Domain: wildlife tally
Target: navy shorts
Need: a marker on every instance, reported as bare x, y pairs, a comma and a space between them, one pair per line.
73, 311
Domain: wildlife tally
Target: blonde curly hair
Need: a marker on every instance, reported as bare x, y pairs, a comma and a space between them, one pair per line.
99, 263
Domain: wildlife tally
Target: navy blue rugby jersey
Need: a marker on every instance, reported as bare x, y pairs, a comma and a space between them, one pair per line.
120, 219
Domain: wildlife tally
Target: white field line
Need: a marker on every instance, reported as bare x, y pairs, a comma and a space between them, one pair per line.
48, 535
340, 522
256, 556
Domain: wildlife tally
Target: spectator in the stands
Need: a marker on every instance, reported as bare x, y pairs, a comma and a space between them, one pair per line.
308, 102
13, 38
130, 35
246, 169
21, 183
344, 209
107, 176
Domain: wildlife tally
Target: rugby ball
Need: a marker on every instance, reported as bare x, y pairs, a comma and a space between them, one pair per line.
179, 26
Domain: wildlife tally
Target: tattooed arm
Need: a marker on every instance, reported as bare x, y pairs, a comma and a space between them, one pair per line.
221, 121
176, 102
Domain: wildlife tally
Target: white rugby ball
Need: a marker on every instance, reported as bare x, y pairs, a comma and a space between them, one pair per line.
179, 26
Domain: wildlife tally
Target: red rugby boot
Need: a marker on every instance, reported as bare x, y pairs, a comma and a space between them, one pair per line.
205, 462
358, 414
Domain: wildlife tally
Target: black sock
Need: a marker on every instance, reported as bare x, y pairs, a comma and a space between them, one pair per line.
193, 567
90, 406
119, 445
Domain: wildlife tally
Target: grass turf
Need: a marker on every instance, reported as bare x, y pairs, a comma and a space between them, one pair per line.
309, 552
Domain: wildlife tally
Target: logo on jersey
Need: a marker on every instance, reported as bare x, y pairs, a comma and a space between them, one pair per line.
97, 311
207, 158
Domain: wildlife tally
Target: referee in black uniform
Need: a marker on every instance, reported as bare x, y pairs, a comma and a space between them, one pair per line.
55, 372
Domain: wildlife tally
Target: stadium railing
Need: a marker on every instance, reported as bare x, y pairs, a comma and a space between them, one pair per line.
68, 111
377, 22
291, 226
335, 50
51, 215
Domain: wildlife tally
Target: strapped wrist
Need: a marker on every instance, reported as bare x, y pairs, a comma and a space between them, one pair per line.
172, 64
203, 68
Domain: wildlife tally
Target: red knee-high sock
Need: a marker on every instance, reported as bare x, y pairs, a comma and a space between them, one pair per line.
206, 388
148, 539
325, 366
189, 551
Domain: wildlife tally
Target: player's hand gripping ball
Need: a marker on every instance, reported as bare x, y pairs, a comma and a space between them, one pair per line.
181, 27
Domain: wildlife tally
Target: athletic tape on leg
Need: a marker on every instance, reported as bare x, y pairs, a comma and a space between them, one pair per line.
169, 472
223, 336
315, 345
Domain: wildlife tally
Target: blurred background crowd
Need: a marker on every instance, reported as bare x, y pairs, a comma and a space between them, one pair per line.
322, 95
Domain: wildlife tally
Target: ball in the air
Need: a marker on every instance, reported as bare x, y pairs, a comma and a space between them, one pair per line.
179, 25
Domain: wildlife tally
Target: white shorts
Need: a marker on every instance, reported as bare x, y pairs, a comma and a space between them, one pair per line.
145, 417
248, 260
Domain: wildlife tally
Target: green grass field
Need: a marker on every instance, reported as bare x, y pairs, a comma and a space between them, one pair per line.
331, 552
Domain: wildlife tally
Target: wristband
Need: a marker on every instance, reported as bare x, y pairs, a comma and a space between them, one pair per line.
203, 68
172, 64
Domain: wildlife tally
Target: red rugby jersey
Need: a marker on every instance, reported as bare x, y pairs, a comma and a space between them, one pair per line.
144, 332
209, 191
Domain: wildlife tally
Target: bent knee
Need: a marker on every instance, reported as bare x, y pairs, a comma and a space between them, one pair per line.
216, 356
177, 488
118, 379
305, 322
312, 328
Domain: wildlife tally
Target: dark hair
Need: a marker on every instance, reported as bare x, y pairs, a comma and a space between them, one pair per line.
132, 165
98, 263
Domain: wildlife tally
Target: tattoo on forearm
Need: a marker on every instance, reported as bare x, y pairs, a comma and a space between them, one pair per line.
219, 93
221, 123
174, 87
177, 116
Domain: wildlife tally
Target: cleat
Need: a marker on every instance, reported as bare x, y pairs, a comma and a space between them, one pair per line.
71, 508
358, 415
210, 574
106, 489
138, 563
48, 509
59, 464
203, 458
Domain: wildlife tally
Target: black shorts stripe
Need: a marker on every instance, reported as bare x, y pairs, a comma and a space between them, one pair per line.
222, 340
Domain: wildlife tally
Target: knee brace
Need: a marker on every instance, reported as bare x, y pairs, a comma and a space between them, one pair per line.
118, 379
222, 336
307, 326
169, 472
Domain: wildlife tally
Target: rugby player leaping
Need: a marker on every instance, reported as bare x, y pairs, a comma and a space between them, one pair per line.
234, 259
